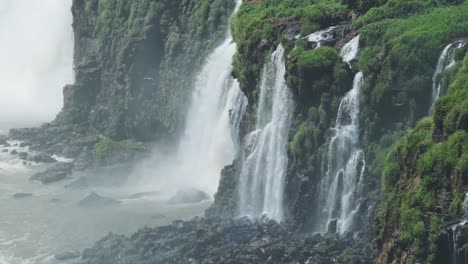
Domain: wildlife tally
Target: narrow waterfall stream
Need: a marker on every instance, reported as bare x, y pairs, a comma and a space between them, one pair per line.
350, 50
342, 184
446, 62
264, 167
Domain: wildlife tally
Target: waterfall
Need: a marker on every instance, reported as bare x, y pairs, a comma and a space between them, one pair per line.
217, 106
445, 62
350, 50
321, 36
343, 182
36, 60
263, 172
346, 163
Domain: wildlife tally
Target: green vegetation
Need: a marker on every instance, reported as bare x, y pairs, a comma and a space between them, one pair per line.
402, 72
424, 173
108, 151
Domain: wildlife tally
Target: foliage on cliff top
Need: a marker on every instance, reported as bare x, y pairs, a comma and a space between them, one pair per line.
261, 16
426, 172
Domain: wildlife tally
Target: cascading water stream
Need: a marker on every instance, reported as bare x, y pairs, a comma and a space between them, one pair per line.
264, 167
343, 183
350, 50
346, 164
217, 106
445, 62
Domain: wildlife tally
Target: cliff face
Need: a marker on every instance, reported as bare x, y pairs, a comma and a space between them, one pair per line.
400, 45
133, 63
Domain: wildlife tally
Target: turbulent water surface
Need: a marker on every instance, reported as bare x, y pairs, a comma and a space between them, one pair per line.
34, 229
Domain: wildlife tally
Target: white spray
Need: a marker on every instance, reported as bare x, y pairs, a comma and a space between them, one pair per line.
36, 59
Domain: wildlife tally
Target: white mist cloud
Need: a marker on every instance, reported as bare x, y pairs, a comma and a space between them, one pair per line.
36, 59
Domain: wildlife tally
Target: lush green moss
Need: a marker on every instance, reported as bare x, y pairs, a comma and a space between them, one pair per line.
421, 173
108, 151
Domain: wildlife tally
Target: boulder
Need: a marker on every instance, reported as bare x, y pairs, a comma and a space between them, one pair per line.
53, 174
143, 195
332, 226
187, 196
80, 183
21, 195
4, 150
3, 140
14, 152
95, 200
23, 155
42, 158
67, 255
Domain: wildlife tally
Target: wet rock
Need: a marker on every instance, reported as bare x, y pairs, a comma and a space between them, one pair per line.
3, 140
81, 183
22, 195
5, 150
223, 241
42, 158
95, 200
143, 195
24, 144
67, 255
53, 174
14, 152
23, 155
187, 196
332, 226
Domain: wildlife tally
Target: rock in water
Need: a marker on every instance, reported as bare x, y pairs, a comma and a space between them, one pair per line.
22, 195
187, 196
53, 174
143, 194
95, 200
3, 140
67, 255
23, 155
42, 157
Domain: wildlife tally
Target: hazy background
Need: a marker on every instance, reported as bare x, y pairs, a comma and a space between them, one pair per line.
36, 60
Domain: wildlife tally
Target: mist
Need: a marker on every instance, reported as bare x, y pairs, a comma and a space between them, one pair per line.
36, 60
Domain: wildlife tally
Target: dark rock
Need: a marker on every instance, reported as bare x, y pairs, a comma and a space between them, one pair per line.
80, 183
23, 155
95, 200
55, 173
14, 152
3, 140
217, 240
67, 255
24, 144
332, 226
42, 158
22, 195
187, 196
143, 194
4, 150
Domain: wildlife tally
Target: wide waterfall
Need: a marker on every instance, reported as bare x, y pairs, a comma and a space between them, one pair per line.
446, 62
36, 60
209, 141
342, 185
264, 166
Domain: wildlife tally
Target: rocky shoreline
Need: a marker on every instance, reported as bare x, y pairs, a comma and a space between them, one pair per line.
221, 241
